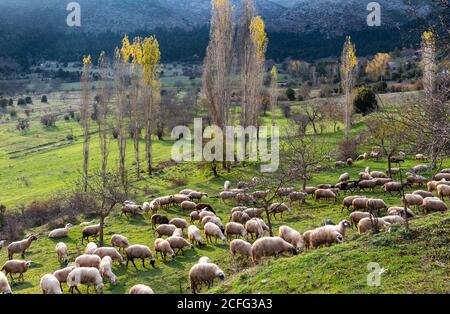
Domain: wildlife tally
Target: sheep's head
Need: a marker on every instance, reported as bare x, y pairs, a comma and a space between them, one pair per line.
152, 262
346, 224
69, 225
173, 256
219, 274
28, 264
99, 288
32, 237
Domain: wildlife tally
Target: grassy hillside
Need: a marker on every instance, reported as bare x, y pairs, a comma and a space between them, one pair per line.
43, 161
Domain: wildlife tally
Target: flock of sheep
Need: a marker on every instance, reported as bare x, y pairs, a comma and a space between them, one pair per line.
245, 224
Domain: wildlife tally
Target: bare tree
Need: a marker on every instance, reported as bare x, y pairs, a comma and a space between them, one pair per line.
218, 65
273, 92
108, 191
85, 116
314, 113
102, 119
135, 113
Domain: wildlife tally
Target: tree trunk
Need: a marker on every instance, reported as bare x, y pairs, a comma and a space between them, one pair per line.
269, 222
148, 152
100, 235
389, 165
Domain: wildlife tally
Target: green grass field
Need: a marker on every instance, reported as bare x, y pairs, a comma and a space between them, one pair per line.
34, 165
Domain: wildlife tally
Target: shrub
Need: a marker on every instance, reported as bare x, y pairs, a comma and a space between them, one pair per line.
27, 112
3, 103
347, 149
13, 113
66, 117
21, 102
11, 102
23, 125
70, 137
28, 100
286, 108
71, 113
325, 91
290, 94
379, 87
365, 101
44, 99
48, 120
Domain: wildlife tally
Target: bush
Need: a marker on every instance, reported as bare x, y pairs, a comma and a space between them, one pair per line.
28, 100
44, 99
379, 87
365, 101
325, 91
71, 113
11, 102
347, 149
48, 120
286, 108
3, 103
66, 117
21, 102
70, 137
13, 113
290, 94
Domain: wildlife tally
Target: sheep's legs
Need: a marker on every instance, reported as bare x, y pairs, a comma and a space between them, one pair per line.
143, 263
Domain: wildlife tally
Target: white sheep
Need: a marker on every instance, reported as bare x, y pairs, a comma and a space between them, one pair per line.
109, 251
60, 233
19, 247
270, 246
226, 185
277, 208
188, 205
106, 269
141, 289
214, 231
234, 228
85, 276
165, 230
62, 252
119, 241
163, 247
88, 260
365, 224
62, 274
195, 236
5, 288
50, 285
204, 259
394, 219
139, 251
254, 227
178, 233
226, 195
443, 191
432, 204
344, 177
240, 247
204, 273
90, 248
291, 236
16, 267
179, 243
179, 223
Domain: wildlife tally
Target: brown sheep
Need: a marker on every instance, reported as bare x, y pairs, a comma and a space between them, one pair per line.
365, 224
356, 216
88, 260
16, 267
359, 203
367, 184
347, 202
432, 204
204, 273
399, 211
139, 251
325, 194
163, 247
19, 247
270, 246
90, 231
159, 220
165, 230
179, 223
233, 228
393, 187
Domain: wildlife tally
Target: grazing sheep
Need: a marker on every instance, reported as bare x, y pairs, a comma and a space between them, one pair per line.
254, 212
347, 202
254, 227
179, 243
324, 186
153, 206
90, 248
236, 191
277, 208
238, 209
194, 195
291, 236
356, 216
394, 219
432, 204
2, 244
400, 211
139, 251
106, 269
159, 220
206, 213
131, 209
165, 230
310, 190
215, 220
270, 246
178, 232
140, 289
188, 205
443, 191
204, 259
50, 285
375, 155
349, 162
242, 185
195, 236
339, 164
226, 185
194, 216
363, 156
5, 288
212, 230
319, 236
109, 251
119, 241
344, 177
325, 194
257, 195
85, 276
307, 239
393, 171
61, 251
204, 273
421, 157
432, 185
233, 228
412, 199
88, 260
285, 191
186, 191
297, 196
19, 247
393, 187
359, 203
420, 168
416, 179
90, 231
375, 204
447, 170
179, 223
378, 174
367, 184
205, 207
243, 198
62, 274
60, 233
180, 198
163, 247
240, 217
241, 247
16, 267
365, 176
164, 201
365, 224
423, 193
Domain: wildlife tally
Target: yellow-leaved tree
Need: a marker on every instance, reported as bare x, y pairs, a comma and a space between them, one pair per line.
85, 115
377, 67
